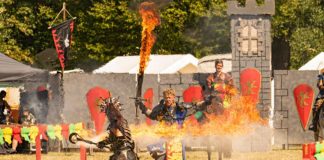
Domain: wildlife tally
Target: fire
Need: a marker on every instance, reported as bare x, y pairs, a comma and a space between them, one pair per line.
150, 19
238, 119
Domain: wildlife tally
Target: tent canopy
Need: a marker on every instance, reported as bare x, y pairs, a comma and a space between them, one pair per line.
158, 64
316, 63
207, 63
12, 70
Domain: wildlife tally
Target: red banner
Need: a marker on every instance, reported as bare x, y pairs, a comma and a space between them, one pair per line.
94, 96
250, 81
148, 95
62, 36
304, 96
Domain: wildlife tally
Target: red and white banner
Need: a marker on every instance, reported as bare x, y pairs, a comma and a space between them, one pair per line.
62, 36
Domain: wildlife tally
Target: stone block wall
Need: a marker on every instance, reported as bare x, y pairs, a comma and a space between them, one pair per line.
76, 85
243, 56
287, 126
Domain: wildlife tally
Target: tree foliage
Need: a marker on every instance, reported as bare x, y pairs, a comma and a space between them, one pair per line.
301, 24
106, 28
109, 28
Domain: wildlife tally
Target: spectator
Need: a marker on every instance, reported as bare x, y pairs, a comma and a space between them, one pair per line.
5, 110
27, 118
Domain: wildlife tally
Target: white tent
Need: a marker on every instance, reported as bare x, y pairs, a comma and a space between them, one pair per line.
158, 64
316, 63
207, 63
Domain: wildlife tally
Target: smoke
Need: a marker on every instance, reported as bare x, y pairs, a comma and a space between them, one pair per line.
43, 99
134, 5
259, 138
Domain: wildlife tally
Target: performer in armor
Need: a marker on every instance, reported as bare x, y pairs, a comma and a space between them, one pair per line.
219, 88
318, 101
119, 139
169, 112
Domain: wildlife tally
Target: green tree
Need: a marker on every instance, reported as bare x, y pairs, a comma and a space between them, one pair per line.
199, 27
300, 23
106, 29
109, 29
112, 28
14, 26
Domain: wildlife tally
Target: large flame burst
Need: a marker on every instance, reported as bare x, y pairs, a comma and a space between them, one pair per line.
150, 19
238, 119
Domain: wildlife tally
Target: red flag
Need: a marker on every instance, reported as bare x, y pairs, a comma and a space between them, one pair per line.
148, 95
304, 95
94, 96
250, 81
62, 36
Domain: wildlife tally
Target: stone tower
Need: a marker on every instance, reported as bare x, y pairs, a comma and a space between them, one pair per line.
251, 44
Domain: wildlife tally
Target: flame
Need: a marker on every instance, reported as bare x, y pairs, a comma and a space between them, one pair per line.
173, 148
238, 119
150, 19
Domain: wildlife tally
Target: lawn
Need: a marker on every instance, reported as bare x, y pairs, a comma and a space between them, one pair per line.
273, 155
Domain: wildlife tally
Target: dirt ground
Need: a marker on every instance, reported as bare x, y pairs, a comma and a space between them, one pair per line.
273, 155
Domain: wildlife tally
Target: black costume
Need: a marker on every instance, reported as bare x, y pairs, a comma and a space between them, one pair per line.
123, 145
319, 102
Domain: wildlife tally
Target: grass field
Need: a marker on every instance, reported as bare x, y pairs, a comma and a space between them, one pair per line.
273, 155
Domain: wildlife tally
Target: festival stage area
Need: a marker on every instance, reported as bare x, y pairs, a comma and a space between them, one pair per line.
273, 155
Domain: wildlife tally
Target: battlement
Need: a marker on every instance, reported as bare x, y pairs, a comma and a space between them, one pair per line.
251, 7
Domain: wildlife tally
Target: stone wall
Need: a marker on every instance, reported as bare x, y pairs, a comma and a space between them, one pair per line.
251, 43
287, 126
76, 85
286, 131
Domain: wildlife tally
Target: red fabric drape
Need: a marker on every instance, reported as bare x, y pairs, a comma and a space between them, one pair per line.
41, 131
16, 133
65, 131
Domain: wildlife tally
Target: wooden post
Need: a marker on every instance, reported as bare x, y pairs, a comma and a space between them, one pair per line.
38, 148
83, 151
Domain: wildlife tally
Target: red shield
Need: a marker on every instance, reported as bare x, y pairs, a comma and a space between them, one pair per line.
94, 96
192, 94
304, 95
148, 95
250, 81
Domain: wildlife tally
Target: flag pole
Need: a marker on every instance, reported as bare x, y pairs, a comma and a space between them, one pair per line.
64, 18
